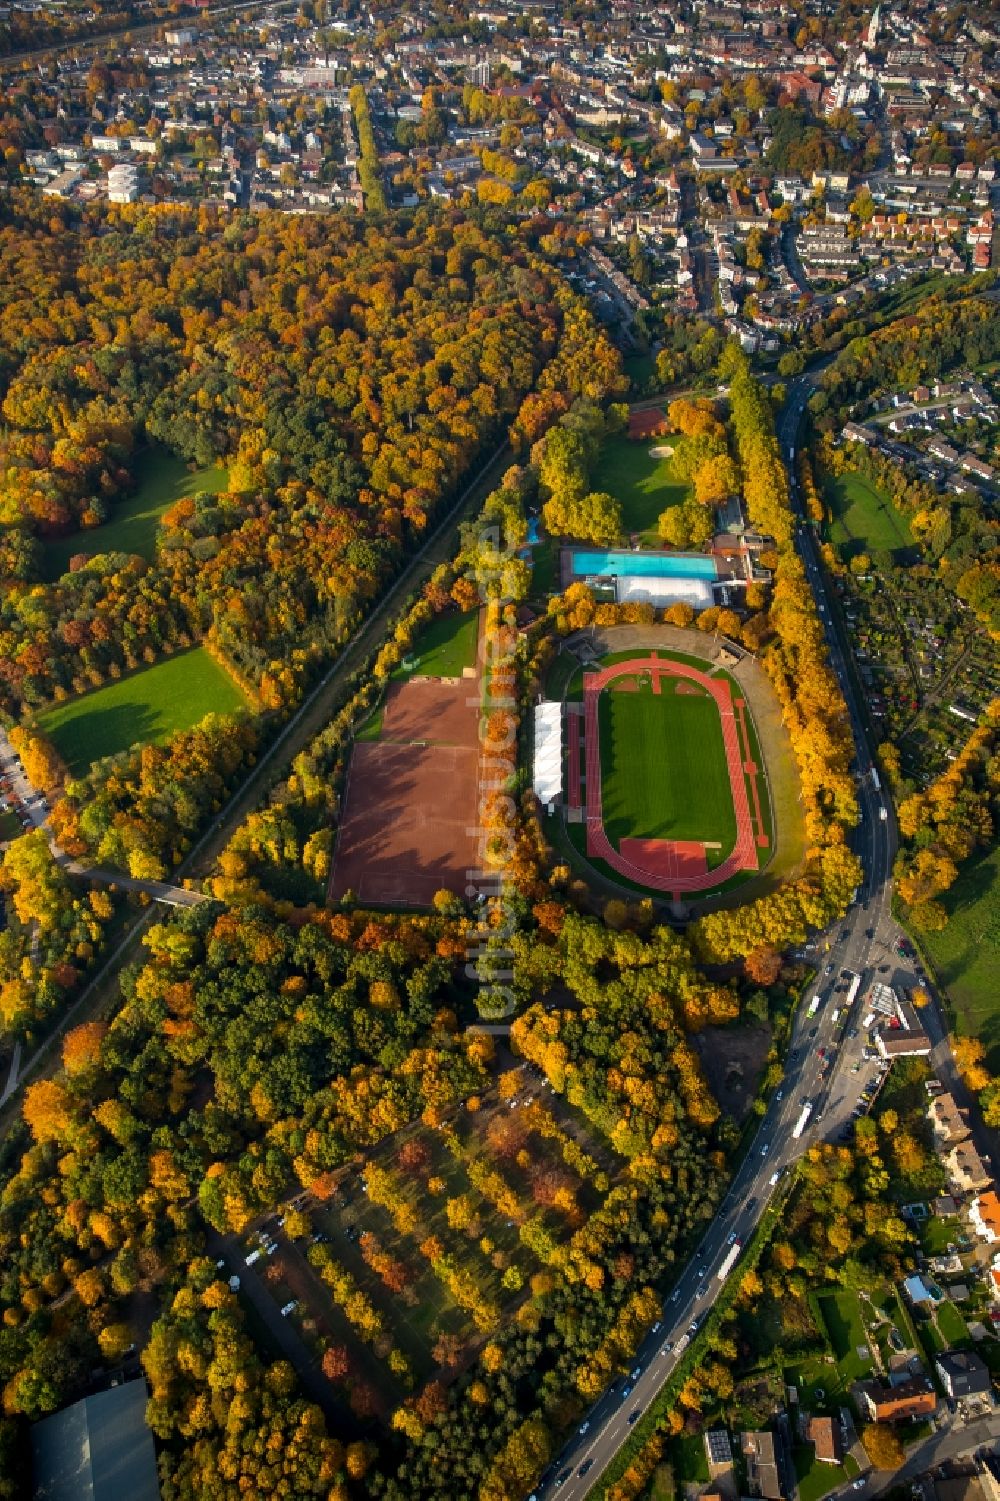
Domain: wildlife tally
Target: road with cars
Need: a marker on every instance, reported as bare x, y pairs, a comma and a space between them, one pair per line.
825, 1067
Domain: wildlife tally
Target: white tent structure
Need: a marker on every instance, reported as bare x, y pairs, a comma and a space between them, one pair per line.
665, 591
548, 762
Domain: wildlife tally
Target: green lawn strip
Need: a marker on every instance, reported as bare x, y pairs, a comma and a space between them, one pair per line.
10, 826
842, 1317
445, 647
687, 1454
931, 1337
899, 1313
145, 706
544, 566
466, 1248
663, 768
815, 1477
371, 727
966, 954
863, 519
951, 1324
640, 369
663, 1402
162, 479
560, 674
645, 486
937, 1234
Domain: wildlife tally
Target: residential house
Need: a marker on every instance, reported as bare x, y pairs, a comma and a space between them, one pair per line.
913, 1398
966, 1168
763, 1474
963, 1374
948, 1122
824, 1434
984, 1216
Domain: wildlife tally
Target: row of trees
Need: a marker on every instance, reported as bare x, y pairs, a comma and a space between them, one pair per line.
563, 460
369, 175
319, 1037
793, 654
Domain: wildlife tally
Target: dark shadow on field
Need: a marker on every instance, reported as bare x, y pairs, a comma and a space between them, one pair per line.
119, 727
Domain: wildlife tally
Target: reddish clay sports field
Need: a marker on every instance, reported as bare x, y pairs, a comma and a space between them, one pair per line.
408, 819
677, 866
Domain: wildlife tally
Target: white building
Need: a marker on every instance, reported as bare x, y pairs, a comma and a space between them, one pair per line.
123, 183
666, 591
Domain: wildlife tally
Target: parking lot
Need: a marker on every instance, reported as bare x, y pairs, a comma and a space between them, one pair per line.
21, 806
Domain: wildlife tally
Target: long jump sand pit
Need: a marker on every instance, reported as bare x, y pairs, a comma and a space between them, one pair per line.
408, 819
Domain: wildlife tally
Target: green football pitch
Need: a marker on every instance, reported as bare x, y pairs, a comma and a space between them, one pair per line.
663, 767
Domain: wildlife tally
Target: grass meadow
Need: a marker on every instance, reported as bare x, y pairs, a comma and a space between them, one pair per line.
864, 520
162, 480
966, 954
146, 706
446, 646
645, 486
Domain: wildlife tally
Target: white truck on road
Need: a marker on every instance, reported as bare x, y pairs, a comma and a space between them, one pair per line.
803, 1120
730, 1259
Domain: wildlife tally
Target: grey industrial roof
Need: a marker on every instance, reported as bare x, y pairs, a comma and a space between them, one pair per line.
97, 1450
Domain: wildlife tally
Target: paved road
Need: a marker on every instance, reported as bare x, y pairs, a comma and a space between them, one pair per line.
283, 1332
862, 943
956, 1440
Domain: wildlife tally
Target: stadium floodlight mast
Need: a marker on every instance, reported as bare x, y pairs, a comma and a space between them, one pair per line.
489, 952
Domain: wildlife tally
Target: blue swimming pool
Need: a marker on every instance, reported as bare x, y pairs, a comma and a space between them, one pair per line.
659, 565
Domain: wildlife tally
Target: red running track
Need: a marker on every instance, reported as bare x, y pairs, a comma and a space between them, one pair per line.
744, 853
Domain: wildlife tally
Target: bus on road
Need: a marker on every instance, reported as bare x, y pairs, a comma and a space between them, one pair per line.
803, 1120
